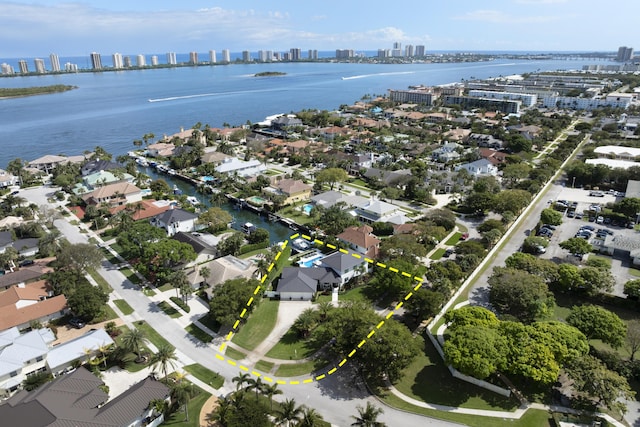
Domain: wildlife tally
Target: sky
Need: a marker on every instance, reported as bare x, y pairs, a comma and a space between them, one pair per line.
70, 28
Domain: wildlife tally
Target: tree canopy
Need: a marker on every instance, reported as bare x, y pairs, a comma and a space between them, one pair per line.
598, 323
230, 298
520, 294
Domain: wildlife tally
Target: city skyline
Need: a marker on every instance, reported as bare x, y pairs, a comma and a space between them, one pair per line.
35, 29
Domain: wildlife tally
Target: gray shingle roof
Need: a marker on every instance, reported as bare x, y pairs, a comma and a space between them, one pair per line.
175, 215
338, 261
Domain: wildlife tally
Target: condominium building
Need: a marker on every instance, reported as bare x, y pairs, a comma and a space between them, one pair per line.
615, 100
117, 61
6, 68
246, 56
384, 53
68, 66
141, 61
416, 96
295, 54
39, 64
171, 58
313, 54
624, 54
528, 100
55, 62
193, 57
420, 50
265, 55
96, 61
505, 106
408, 50
22, 65
226, 55
127, 61
212, 57
344, 53
154, 60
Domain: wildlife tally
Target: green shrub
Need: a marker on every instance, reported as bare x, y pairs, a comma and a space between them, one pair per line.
253, 247
181, 304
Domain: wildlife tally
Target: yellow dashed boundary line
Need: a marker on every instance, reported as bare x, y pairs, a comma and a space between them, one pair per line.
331, 371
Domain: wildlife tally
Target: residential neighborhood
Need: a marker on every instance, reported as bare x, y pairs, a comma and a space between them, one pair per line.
470, 248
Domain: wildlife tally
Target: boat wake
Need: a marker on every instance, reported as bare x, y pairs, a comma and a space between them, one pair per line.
202, 95
362, 76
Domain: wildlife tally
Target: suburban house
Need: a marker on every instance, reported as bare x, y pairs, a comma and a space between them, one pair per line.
119, 193
24, 354
330, 198
48, 162
7, 180
160, 149
379, 211
145, 208
94, 166
25, 303
211, 155
176, 220
285, 122
346, 266
235, 166
222, 269
387, 177
203, 246
447, 152
361, 239
293, 189
479, 168
26, 247
495, 157
484, 140
24, 275
77, 399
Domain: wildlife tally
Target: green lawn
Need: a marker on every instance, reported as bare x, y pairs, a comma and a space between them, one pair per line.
355, 294
130, 364
454, 239
194, 407
295, 370
199, 333
107, 314
428, 379
258, 326
151, 334
437, 254
104, 285
211, 323
234, 354
148, 292
124, 307
291, 347
264, 366
165, 287
253, 253
131, 275
205, 375
634, 272
168, 309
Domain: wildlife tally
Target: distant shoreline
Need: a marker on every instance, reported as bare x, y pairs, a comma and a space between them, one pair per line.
19, 92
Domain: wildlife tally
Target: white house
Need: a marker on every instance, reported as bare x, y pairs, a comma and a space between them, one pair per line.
379, 211
176, 220
83, 348
239, 167
479, 168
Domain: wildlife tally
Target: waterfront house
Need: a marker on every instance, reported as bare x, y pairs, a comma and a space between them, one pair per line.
176, 220
480, 167
235, 166
25, 303
222, 269
361, 240
79, 399
293, 189
160, 149
47, 163
330, 198
119, 193
287, 122
211, 155
346, 266
7, 179
200, 243
100, 178
98, 165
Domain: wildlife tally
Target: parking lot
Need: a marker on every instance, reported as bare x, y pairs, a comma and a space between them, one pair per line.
582, 201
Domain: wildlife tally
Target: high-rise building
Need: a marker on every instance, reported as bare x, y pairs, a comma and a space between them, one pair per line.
384, 53
22, 65
226, 55
55, 62
313, 54
408, 50
246, 56
420, 50
68, 66
212, 57
277, 56
154, 60
397, 49
6, 68
397, 45
39, 64
265, 55
624, 54
171, 58
117, 61
344, 53
141, 61
127, 61
295, 54
193, 57
96, 61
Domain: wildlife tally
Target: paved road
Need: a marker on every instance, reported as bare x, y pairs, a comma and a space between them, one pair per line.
335, 398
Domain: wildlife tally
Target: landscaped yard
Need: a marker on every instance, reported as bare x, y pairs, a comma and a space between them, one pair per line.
428, 379
124, 307
258, 326
168, 309
437, 254
130, 364
154, 337
178, 419
234, 354
296, 369
131, 275
453, 239
291, 347
205, 375
198, 333
264, 366
211, 323
355, 294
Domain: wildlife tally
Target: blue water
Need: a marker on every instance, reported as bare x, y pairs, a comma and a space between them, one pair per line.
111, 109
307, 208
308, 262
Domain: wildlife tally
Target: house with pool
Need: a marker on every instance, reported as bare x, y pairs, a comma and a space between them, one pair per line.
293, 189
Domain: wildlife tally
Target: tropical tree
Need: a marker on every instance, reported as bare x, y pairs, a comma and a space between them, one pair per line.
368, 416
133, 340
288, 412
598, 323
180, 282
271, 390
240, 379
310, 418
181, 393
305, 322
255, 384
163, 358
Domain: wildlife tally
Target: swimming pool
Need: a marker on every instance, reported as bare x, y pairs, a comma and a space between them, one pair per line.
307, 208
308, 261
256, 200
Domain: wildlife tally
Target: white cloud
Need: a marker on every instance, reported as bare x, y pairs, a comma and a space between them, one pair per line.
499, 17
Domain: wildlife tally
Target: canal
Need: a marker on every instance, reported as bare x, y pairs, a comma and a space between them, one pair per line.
277, 231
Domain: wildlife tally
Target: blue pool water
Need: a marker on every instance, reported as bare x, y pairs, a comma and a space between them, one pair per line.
308, 261
207, 178
307, 208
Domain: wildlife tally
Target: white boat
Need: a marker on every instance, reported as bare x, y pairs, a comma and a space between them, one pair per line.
193, 200
142, 162
301, 245
248, 228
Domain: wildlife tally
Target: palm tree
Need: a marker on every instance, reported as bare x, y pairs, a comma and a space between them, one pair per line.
220, 413
305, 322
367, 416
324, 308
104, 350
180, 281
310, 418
181, 393
205, 272
133, 340
255, 384
240, 379
165, 357
271, 390
288, 412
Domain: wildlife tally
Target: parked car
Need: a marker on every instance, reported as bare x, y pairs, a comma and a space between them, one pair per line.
464, 236
600, 219
549, 226
587, 227
25, 262
76, 322
579, 215
448, 253
571, 214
